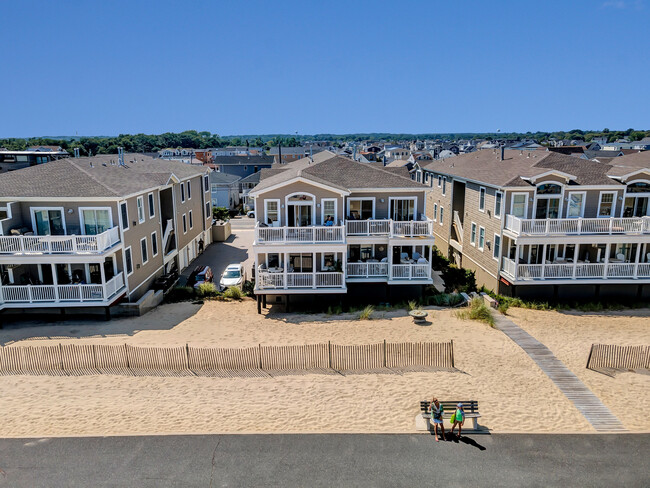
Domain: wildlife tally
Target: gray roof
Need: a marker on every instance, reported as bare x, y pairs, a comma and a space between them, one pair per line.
300, 150
97, 176
243, 160
486, 166
217, 178
251, 178
338, 172
591, 154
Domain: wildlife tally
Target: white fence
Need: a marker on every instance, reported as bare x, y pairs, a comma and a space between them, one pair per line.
630, 225
526, 272
61, 293
265, 235
271, 281
95, 244
367, 270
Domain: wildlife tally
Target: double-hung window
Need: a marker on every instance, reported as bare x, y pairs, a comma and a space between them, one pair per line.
140, 204
152, 207
189, 191
182, 192
154, 244
128, 258
497, 246
143, 249
498, 204
271, 211
206, 183
442, 215
606, 205
481, 238
472, 236
191, 219
435, 211
124, 212
481, 200
439, 181
184, 224
444, 185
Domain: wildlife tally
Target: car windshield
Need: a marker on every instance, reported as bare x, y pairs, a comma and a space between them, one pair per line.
231, 274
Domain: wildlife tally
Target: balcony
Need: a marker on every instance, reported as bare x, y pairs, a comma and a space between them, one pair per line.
61, 295
410, 272
299, 235
580, 226
573, 271
330, 281
389, 228
367, 270
59, 245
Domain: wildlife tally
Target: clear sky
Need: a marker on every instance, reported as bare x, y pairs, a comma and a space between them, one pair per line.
258, 67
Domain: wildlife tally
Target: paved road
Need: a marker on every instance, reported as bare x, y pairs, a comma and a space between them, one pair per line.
327, 460
237, 249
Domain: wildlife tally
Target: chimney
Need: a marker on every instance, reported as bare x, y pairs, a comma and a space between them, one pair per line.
120, 156
502, 151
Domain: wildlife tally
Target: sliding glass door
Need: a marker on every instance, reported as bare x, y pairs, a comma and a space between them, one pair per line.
96, 221
49, 222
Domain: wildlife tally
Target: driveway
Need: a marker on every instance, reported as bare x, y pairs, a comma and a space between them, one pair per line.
327, 460
236, 249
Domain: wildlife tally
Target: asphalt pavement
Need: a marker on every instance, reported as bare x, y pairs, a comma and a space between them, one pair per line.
338, 460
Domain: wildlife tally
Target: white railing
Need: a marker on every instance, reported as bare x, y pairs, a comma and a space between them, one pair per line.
367, 270
580, 226
570, 271
410, 271
61, 293
266, 235
367, 227
95, 244
412, 228
267, 280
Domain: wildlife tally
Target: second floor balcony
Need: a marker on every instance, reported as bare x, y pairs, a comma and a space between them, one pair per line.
300, 235
26, 245
577, 226
389, 228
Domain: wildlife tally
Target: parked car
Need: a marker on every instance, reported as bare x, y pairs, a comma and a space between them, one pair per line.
200, 275
233, 275
250, 214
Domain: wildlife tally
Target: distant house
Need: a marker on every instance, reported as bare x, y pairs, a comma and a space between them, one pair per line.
290, 154
178, 152
601, 154
53, 149
246, 184
395, 152
569, 150
224, 190
240, 166
237, 151
12, 160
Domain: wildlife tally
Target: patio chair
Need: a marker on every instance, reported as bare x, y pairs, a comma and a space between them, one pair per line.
621, 257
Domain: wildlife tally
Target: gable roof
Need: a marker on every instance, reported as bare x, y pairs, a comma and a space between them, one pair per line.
97, 176
243, 160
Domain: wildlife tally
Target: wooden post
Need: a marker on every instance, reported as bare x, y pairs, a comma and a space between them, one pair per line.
259, 350
259, 304
452, 353
384, 353
187, 355
264, 301
329, 353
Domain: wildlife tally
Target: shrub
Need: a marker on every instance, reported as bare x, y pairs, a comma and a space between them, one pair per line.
233, 292
455, 299
248, 288
438, 261
366, 313
477, 310
503, 308
458, 279
411, 305
220, 213
206, 290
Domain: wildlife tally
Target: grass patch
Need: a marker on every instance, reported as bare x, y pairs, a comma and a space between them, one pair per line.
411, 305
366, 313
336, 310
477, 310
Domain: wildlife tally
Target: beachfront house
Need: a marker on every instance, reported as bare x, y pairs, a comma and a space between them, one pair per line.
331, 225
90, 232
543, 224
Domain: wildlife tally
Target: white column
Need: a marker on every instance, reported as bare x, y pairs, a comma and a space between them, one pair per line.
345, 265
576, 253
40, 273
313, 268
103, 275
286, 267
607, 251
87, 270
115, 263
544, 259
55, 282
636, 259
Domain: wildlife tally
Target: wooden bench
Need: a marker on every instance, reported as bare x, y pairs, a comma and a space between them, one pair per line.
422, 421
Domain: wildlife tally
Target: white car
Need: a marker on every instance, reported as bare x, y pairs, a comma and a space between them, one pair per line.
250, 214
233, 275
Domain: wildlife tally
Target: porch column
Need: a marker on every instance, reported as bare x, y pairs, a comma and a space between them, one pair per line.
55, 282
636, 260
115, 264
257, 269
313, 270
286, 267
517, 251
390, 262
87, 271
544, 259
576, 253
345, 266
607, 251
103, 275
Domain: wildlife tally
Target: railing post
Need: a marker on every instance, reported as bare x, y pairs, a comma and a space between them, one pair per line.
29, 293
611, 222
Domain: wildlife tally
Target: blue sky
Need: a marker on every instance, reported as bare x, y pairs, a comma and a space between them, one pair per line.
258, 67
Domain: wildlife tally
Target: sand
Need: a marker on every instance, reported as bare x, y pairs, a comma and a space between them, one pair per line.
513, 394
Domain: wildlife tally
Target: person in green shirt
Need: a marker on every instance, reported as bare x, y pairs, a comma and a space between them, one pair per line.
458, 419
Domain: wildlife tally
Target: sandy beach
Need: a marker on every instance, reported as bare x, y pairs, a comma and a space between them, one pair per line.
513, 394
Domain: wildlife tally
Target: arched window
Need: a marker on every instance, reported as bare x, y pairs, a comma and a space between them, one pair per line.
549, 189
638, 187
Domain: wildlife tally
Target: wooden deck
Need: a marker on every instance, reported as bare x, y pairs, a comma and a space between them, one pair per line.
589, 405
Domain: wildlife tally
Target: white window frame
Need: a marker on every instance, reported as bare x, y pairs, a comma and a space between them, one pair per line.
128, 251
498, 216
184, 219
206, 183
439, 181
322, 209
151, 204
154, 241
473, 234
600, 200
481, 230
208, 209
435, 212
182, 193
189, 190
442, 213
146, 251
568, 203
82, 222
124, 225
415, 205
526, 196
549, 196
33, 211
482, 192
266, 208
190, 218
139, 204
496, 255
372, 199
444, 186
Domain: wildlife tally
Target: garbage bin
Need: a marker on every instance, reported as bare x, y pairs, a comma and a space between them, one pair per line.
221, 231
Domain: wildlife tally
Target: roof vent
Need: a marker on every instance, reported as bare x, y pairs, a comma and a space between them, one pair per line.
91, 164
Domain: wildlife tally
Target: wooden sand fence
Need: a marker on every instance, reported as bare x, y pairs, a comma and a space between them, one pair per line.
611, 359
261, 361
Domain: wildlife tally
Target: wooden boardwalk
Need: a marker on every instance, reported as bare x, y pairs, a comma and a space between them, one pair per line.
589, 405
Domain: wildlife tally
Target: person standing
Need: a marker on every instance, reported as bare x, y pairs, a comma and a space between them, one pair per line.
436, 410
458, 419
